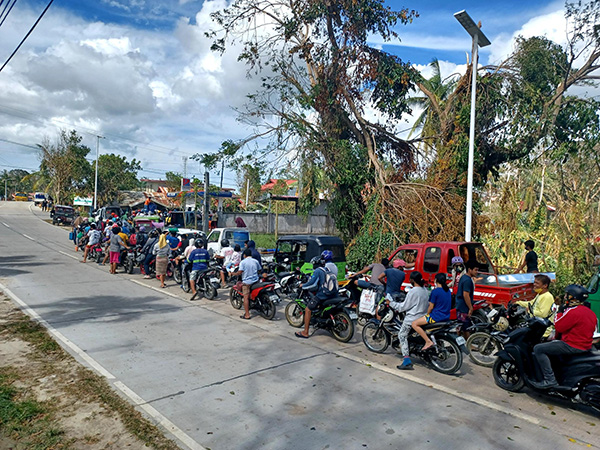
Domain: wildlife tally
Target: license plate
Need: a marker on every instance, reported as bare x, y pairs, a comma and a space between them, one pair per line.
214, 280
460, 340
353, 315
275, 298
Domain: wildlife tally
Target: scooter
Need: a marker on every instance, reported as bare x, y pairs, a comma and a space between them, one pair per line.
263, 297
578, 376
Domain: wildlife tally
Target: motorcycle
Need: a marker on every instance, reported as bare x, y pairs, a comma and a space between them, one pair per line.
263, 297
515, 366
487, 339
331, 315
445, 356
288, 281
206, 283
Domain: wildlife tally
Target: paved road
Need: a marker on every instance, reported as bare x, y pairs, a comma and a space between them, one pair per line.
212, 380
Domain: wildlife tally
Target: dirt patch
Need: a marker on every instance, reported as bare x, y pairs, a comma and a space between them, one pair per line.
70, 407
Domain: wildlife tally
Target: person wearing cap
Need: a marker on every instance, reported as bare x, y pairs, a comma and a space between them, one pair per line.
393, 278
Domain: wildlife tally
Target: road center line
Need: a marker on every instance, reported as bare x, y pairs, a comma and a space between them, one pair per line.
6, 225
138, 401
162, 291
29, 237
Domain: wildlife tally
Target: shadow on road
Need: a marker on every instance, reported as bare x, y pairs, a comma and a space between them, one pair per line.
15, 265
108, 308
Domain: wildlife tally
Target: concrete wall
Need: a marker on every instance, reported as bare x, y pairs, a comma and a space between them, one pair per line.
285, 223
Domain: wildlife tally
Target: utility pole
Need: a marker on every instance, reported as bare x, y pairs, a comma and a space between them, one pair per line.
205, 209
247, 192
5, 189
96, 176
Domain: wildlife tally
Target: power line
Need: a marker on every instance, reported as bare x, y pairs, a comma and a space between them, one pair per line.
26, 36
10, 9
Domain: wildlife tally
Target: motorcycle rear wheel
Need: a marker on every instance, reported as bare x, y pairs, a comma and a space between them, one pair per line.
343, 328
479, 316
130, 265
482, 347
267, 309
236, 299
507, 375
447, 357
210, 291
375, 339
177, 274
294, 314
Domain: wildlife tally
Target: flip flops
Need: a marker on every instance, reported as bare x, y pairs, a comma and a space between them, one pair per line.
300, 335
245, 318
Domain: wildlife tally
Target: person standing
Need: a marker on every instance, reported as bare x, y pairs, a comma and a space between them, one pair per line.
415, 306
76, 224
147, 250
248, 269
464, 296
162, 250
531, 258
115, 245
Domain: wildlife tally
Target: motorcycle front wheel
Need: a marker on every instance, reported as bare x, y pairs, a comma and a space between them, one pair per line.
447, 357
507, 375
374, 338
343, 327
210, 291
236, 299
267, 307
482, 348
294, 314
130, 265
177, 275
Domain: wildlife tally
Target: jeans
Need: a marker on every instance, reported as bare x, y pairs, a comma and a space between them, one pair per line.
542, 352
147, 260
403, 338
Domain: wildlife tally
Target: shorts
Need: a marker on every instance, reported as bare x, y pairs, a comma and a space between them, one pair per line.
194, 274
246, 289
464, 318
429, 319
115, 257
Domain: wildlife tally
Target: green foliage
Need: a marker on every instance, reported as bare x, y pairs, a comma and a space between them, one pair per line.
173, 180
115, 174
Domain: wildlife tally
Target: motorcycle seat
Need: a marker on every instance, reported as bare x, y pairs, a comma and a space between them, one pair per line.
259, 284
284, 274
333, 301
435, 325
591, 356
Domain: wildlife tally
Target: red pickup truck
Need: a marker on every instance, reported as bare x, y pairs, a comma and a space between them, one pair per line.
433, 257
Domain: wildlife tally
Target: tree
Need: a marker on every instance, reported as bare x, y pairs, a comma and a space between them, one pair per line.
249, 176
173, 180
64, 164
115, 174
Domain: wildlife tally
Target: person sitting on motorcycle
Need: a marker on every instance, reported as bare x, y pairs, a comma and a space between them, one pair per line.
327, 256
199, 259
94, 237
376, 270
440, 302
575, 323
255, 253
317, 292
249, 268
541, 305
393, 277
147, 250
224, 258
141, 236
458, 268
172, 239
415, 306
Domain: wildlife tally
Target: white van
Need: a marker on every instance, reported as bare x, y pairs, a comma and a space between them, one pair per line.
233, 235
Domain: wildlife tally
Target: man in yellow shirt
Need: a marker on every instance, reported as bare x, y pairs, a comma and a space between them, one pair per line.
541, 305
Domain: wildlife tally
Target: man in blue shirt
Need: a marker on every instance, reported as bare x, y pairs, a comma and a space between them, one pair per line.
172, 239
199, 259
395, 277
248, 269
464, 295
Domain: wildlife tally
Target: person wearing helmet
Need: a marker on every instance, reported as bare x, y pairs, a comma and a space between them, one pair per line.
458, 267
415, 306
225, 258
575, 323
198, 258
318, 292
376, 270
393, 277
440, 301
327, 256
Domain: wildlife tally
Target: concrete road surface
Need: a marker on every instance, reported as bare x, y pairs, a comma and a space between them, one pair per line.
212, 380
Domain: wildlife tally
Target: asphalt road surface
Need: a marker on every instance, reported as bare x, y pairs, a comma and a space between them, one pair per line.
212, 380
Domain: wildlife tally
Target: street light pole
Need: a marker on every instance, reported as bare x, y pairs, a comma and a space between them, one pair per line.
479, 40
96, 176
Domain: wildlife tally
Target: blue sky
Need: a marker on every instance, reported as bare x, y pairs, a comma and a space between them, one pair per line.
140, 72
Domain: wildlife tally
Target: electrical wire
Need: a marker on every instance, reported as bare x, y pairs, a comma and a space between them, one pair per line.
5, 6
27, 35
9, 10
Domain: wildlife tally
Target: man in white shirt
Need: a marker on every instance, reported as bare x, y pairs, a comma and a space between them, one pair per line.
93, 239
